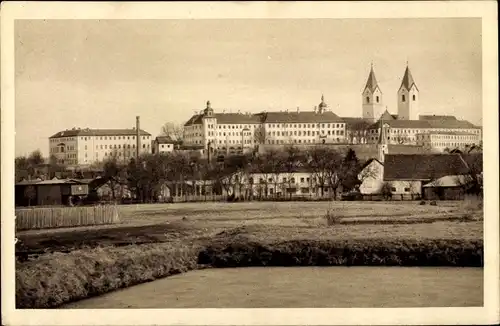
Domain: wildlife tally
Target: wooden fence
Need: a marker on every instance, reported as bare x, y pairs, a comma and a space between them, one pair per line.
55, 217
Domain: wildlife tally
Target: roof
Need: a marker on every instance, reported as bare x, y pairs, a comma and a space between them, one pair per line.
474, 161
301, 117
447, 181
451, 133
408, 81
164, 140
194, 120
406, 149
371, 83
227, 118
437, 117
98, 132
427, 124
356, 123
230, 118
25, 182
369, 161
422, 167
386, 116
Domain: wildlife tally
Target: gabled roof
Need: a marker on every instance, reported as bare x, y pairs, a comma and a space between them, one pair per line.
194, 120
98, 132
422, 167
371, 82
447, 181
386, 116
408, 81
369, 162
474, 161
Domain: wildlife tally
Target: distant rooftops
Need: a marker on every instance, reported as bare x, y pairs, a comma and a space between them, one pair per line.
77, 132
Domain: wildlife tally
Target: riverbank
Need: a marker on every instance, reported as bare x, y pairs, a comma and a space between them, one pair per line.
58, 278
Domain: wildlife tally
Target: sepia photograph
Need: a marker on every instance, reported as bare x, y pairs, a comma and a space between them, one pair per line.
237, 162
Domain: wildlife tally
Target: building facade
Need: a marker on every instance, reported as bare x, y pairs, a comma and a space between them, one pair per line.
238, 132
241, 132
86, 146
163, 144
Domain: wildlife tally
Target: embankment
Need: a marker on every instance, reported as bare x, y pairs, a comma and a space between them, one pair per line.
57, 278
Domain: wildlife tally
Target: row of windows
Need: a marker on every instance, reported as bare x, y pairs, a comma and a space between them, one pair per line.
403, 98
377, 99
119, 146
446, 144
307, 125
236, 126
62, 149
53, 140
305, 133
418, 131
119, 154
299, 141
232, 141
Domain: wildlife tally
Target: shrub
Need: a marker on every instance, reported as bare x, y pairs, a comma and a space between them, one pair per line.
386, 190
433, 203
56, 279
422, 202
331, 218
368, 252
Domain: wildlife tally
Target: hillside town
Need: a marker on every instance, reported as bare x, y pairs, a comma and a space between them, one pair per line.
286, 154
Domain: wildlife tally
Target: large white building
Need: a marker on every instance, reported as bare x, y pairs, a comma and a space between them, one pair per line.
86, 146
238, 132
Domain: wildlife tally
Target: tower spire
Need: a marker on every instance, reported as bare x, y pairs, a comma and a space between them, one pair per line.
371, 82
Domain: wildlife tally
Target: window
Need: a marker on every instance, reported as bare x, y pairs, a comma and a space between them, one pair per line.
407, 189
414, 97
367, 99
403, 98
393, 189
378, 100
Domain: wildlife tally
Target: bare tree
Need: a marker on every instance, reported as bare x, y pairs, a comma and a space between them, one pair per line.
292, 160
370, 171
172, 130
402, 138
320, 166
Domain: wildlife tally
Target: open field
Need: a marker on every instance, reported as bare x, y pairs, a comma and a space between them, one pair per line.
57, 266
295, 220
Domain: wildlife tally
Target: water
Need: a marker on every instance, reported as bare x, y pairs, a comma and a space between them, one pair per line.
303, 287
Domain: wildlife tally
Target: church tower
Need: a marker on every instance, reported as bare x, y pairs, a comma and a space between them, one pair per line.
382, 147
372, 98
408, 97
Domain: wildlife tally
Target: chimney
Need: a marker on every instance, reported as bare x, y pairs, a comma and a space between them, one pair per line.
138, 135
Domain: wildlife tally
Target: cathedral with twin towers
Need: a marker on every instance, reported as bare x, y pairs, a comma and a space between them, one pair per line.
234, 132
408, 98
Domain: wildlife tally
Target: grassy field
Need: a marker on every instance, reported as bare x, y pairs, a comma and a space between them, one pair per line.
154, 241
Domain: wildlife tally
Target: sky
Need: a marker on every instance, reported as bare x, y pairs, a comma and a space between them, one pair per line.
102, 73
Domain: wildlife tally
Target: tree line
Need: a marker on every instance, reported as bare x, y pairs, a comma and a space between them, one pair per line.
147, 175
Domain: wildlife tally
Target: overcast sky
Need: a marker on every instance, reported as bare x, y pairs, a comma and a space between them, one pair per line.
101, 74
